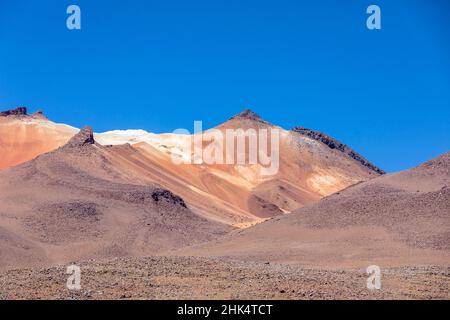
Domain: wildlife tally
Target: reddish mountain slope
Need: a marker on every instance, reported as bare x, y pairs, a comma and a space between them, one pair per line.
240, 195
24, 137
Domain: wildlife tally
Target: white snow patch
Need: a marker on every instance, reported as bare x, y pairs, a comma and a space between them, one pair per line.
168, 143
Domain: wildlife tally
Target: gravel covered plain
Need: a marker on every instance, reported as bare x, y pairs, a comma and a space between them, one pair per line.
218, 278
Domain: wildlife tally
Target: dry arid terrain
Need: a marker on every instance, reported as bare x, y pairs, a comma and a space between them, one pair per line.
74, 204
24, 137
217, 278
142, 227
237, 195
393, 220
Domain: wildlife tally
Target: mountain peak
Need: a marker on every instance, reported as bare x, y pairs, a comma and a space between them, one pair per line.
19, 111
248, 114
82, 138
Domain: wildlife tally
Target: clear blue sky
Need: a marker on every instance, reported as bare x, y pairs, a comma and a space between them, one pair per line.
163, 64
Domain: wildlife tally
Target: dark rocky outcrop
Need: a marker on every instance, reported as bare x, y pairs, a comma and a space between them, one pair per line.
168, 196
335, 144
20, 111
82, 138
39, 115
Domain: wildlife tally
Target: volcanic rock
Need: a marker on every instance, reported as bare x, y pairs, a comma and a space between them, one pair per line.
20, 111
82, 138
335, 144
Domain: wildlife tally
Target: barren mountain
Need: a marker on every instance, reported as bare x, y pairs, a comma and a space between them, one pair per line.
310, 167
393, 220
24, 137
73, 204
117, 204
242, 195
